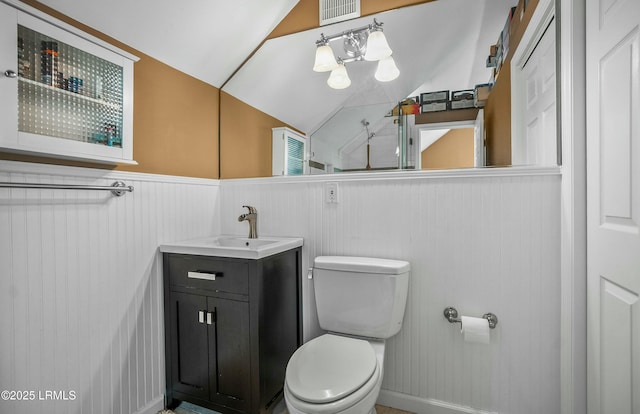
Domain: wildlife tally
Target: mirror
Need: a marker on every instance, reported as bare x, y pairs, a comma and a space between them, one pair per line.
439, 45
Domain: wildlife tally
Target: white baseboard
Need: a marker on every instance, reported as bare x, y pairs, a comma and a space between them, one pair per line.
155, 405
423, 405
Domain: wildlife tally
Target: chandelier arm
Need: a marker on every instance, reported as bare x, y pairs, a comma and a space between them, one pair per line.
348, 60
375, 25
323, 40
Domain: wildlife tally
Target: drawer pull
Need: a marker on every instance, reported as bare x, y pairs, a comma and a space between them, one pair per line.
210, 318
203, 275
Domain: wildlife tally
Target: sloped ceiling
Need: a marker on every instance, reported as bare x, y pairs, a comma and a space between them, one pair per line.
437, 45
206, 39
440, 45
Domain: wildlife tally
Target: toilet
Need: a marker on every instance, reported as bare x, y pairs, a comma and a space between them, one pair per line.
360, 302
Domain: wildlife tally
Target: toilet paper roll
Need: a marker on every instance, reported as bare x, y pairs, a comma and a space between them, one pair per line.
475, 330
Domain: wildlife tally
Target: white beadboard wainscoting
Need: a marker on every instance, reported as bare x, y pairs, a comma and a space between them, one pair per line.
81, 288
481, 241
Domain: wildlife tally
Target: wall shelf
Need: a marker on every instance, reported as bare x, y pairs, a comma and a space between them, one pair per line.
469, 114
74, 95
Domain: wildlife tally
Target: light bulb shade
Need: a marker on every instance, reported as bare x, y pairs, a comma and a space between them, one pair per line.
325, 60
339, 79
377, 46
387, 70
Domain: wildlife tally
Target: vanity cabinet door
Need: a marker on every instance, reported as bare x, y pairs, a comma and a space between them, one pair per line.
228, 338
229, 354
210, 342
189, 342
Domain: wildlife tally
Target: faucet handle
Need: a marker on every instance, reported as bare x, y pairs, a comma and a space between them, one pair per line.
252, 210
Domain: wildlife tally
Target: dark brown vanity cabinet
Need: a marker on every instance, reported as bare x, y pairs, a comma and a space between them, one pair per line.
230, 327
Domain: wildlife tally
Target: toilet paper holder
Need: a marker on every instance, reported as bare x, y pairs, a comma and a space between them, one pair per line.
451, 314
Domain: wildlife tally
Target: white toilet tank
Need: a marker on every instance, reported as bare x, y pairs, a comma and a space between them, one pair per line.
361, 296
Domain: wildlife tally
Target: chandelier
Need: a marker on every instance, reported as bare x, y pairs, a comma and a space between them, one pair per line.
365, 43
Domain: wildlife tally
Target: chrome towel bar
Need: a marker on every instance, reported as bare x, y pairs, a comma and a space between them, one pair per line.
118, 188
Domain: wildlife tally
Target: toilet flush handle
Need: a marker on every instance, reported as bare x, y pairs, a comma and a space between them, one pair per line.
310, 274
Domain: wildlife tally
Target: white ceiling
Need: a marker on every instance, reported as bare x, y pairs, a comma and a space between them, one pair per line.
206, 39
437, 45
441, 45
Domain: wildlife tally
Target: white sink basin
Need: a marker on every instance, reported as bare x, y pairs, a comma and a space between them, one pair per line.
233, 246
241, 242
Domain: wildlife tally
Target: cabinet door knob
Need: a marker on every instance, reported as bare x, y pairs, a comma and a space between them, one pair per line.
10, 74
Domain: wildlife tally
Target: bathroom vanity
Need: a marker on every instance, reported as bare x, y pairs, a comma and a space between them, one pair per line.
232, 321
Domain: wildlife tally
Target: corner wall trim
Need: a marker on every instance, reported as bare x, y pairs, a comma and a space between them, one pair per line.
155, 405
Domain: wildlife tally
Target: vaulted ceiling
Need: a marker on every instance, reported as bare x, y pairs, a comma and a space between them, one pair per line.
437, 45
206, 39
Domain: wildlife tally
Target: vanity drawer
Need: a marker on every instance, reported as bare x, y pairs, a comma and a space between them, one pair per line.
209, 273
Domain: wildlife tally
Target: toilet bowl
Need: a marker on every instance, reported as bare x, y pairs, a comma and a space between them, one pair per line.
361, 302
334, 374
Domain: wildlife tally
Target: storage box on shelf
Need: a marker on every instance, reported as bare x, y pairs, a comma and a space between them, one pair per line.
409, 106
434, 106
446, 101
462, 99
495, 54
434, 101
65, 93
481, 94
438, 96
517, 17
506, 33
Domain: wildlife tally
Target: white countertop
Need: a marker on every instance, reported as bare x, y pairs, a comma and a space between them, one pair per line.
233, 246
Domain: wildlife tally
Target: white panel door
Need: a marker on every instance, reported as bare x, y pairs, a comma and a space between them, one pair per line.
540, 146
613, 206
533, 91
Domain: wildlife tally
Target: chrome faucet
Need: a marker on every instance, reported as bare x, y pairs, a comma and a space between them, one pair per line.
252, 218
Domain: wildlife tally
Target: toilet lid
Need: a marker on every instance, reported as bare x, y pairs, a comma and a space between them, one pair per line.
329, 368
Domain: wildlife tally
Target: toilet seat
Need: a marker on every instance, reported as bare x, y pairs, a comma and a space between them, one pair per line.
331, 367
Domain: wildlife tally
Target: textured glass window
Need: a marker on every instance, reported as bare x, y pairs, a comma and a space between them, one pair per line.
67, 93
295, 156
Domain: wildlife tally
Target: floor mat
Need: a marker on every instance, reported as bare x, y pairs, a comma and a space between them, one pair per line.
188, 408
